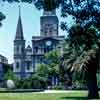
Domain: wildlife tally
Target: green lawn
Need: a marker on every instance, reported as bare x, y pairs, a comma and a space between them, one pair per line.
79, 95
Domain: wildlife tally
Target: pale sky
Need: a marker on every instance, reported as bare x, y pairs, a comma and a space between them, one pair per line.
31, 26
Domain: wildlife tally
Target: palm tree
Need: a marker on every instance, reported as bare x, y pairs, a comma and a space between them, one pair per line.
47, 5
81, 54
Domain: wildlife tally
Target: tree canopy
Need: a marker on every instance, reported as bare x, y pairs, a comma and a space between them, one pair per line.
83, 41
40, 4
84, 12
2, 17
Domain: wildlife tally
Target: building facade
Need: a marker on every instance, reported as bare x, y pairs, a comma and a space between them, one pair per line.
3, 59
3, 63
27, 58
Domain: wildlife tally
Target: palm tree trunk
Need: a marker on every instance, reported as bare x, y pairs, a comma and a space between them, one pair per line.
92, 80
92, 86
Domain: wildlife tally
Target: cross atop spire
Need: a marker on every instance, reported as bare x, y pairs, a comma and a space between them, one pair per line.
19, 30
19, 10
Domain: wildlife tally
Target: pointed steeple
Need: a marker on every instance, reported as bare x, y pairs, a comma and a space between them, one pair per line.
19, 30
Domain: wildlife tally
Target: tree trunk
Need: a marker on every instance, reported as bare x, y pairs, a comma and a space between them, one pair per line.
92, 80
92, 87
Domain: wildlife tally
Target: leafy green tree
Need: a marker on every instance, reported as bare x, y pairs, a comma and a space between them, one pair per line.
38, 81
50, 68
53, 58
8, 73
42, 74
83, 38
42, 70
53, 64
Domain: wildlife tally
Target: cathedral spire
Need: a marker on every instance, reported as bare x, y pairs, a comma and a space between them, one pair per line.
19, 30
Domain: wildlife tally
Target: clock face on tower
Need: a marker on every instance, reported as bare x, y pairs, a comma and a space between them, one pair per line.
48, 43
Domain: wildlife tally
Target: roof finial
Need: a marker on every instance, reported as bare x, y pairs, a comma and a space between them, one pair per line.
19, 10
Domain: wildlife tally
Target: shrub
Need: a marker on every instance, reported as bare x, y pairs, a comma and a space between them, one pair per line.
34, 82
59, 87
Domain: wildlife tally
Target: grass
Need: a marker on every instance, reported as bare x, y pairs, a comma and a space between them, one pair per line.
77, 95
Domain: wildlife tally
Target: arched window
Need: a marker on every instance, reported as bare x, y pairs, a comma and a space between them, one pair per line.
22, 49
28, 65
45, 50
17, 48
36, 49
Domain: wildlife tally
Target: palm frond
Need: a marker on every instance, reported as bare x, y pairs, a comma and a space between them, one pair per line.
80, 61
83, 60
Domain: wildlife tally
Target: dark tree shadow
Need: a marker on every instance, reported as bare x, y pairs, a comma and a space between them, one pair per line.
76, 98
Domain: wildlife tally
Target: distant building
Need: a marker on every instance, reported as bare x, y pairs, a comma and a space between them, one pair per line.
3, 62
3, 59
27, 58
